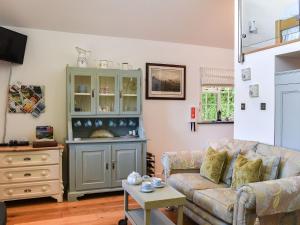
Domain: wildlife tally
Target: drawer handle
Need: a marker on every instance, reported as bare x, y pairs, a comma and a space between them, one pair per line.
44, 173
9, 176
9, 160
27, 190
10, 191
44, 188
27, 174
44, 157
27, 159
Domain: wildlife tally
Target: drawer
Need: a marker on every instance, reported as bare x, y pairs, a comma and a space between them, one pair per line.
15, 159
28, 190
28, 174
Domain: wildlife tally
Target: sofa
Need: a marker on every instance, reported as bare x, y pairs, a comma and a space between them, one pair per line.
271, 202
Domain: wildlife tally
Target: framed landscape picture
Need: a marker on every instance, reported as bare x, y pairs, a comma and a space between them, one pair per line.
164, 81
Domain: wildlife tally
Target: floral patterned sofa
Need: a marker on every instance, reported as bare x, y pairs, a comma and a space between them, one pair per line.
274, 202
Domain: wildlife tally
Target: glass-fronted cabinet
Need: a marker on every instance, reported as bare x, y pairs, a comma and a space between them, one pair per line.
104, 91
129, 93
83, 93
108, 98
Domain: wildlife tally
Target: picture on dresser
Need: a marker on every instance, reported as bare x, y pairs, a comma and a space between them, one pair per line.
26, 99
164, 81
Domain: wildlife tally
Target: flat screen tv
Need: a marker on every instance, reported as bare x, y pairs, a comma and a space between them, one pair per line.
12, 46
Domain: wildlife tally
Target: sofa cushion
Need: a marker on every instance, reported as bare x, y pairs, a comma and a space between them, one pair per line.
188, 183
289, 159
229, 165
246, 171
219, 202
213, 164
270, 165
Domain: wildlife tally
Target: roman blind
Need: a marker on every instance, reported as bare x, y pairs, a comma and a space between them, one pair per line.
216, 77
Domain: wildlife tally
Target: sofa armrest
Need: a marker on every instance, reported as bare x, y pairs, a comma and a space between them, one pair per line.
268, 198
184, 160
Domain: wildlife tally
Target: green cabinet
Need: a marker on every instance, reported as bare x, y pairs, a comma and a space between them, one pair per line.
101, 167
125, 159
104, 91
92, 165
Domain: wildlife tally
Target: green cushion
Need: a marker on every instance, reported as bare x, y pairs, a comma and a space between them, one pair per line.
212, 165
246, 171
270, 165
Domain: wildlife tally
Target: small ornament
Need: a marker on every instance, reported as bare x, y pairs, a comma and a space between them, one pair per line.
82, 57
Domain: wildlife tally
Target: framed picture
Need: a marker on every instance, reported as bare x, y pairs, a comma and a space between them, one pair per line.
26, 99
164, 81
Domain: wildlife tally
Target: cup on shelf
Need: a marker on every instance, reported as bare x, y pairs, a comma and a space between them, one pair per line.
77, 123
98, 123
88, 123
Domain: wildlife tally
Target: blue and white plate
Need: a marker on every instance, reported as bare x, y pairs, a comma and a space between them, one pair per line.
147, 190
161, 185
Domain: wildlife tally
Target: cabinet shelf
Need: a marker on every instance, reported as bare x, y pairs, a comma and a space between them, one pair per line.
82, 94
106, 94
129, 95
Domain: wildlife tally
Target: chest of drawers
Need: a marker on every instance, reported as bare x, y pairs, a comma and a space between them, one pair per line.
27, 172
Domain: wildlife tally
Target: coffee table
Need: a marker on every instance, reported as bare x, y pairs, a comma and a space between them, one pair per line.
149, 214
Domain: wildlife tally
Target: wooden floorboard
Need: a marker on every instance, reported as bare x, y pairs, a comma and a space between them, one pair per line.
102, 209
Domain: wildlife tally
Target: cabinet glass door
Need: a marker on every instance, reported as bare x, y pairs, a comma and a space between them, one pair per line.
107, 94
82, 102
130, 94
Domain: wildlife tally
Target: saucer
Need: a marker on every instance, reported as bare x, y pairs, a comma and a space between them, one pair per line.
161, 185
147, 190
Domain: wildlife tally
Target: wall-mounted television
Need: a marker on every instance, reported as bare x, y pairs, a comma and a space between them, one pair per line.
12, 46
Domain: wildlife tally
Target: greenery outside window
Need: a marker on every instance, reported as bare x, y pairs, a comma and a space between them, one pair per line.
214, 99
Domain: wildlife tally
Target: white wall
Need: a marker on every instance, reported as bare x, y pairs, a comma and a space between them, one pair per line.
254, 124
49, 52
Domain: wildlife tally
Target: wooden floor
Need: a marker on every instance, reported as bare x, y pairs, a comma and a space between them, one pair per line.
92, 210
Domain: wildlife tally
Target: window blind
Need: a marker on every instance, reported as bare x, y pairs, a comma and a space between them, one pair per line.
216, 77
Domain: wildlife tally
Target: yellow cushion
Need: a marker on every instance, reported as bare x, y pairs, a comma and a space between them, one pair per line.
246, 171
212, 165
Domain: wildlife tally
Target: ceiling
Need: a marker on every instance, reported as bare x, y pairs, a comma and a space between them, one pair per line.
199, 22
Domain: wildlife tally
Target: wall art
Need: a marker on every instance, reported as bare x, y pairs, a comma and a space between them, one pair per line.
165, 81
26, 99
254, 91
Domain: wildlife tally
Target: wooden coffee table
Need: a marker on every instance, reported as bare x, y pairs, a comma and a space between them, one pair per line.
149, 214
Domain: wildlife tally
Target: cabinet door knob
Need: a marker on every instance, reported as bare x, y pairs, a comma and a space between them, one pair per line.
10, 191
9, 176
44, 188
9, 159
44, 157
113, 165
44, 173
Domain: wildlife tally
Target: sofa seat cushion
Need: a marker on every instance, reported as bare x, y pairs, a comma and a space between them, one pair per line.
188, 183
218, 201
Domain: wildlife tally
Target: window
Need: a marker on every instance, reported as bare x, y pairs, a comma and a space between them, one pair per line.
214, 99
